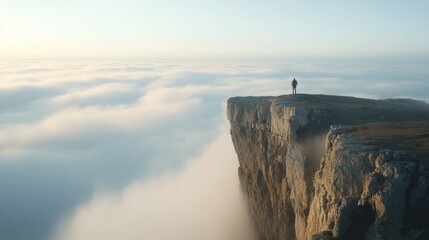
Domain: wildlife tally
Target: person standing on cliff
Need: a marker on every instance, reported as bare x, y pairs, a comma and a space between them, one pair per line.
294, 84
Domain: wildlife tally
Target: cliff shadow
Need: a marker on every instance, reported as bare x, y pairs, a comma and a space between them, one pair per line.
363, 217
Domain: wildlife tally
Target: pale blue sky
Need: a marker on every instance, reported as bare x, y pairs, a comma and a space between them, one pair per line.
131, 29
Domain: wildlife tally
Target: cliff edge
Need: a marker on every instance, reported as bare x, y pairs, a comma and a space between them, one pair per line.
332, 167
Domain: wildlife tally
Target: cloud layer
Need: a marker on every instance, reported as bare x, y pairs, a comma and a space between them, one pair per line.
94, 149
201, 201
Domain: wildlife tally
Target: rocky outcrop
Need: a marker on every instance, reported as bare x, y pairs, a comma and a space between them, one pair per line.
329, 167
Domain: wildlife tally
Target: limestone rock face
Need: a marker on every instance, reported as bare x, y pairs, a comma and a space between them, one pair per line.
329, 167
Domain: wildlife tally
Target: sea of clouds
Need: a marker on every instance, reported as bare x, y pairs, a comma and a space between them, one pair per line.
141, 150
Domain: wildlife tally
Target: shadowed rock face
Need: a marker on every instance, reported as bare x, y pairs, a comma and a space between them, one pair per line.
331, 167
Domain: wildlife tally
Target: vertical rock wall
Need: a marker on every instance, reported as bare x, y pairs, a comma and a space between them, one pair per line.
271, 165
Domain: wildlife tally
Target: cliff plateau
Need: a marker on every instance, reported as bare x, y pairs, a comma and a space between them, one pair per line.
331, 167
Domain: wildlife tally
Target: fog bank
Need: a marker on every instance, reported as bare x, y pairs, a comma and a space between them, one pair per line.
200, 201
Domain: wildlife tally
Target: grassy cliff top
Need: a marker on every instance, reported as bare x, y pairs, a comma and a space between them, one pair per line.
412, 137
352, 110
318, 101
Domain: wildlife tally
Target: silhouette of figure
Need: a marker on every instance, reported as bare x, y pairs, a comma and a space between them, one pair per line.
294, 84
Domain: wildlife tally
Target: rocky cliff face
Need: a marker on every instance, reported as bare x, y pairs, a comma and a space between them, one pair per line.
323, 167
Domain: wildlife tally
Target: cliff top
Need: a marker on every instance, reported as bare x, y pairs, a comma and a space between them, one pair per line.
343, 109
319, 101
330, 101
412, 137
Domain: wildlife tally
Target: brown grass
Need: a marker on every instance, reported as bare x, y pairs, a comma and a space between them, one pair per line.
411, 136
